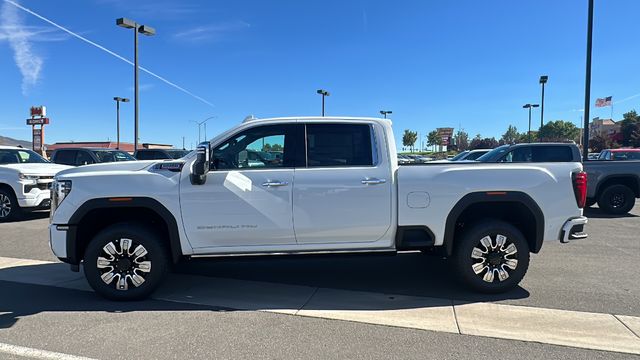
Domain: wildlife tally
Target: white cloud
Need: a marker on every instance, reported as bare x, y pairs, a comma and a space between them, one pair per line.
213, 32
19, 38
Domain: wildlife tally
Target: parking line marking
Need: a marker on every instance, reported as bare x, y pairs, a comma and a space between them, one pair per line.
37, 353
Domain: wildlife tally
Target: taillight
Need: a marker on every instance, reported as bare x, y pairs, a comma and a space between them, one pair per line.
580, 188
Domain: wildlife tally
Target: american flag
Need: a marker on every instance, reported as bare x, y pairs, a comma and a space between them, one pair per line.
602, 102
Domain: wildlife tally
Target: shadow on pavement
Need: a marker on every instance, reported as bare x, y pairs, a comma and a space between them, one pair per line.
32, 215
405, 281
596, 213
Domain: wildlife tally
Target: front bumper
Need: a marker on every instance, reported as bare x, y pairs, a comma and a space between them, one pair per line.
58, 240
573, 229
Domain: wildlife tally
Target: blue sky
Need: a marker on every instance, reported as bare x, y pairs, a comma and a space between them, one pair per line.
433, 63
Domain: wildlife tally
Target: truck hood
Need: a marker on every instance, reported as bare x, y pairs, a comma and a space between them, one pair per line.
110, 167
43, 169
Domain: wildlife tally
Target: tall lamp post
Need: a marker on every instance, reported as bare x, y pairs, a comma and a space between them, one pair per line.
587, 86
200, 123
145, 30
385, 113
118, 101
543, 80
530, 106
323, 93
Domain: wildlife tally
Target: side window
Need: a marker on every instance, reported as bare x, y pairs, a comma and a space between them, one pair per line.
520, 154
83, 158
65, 157
339, 145
551, 154
143, 155
270, 146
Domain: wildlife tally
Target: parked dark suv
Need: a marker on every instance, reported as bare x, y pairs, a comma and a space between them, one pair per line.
533, 152
159, 154
86, 156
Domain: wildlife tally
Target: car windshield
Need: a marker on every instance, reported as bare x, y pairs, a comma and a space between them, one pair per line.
113, 156
177, 154
461, 155
493, 154
11, 156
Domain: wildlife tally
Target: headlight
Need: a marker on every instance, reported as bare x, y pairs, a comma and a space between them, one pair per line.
28, 177
59, 191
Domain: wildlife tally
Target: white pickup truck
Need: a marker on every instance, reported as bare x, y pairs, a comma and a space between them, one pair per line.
25, 178
319, 185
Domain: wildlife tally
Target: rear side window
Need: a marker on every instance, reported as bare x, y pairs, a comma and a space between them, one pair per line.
339, 145
65, 157
144, 155
84, 158
540, 154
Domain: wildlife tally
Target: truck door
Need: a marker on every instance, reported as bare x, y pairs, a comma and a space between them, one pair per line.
342, 195
247, 198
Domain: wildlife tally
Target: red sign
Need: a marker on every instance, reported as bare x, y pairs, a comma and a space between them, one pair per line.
38, 121
38, 111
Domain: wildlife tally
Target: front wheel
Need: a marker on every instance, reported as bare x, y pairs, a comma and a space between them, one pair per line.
9, 208
125, 262
491, 257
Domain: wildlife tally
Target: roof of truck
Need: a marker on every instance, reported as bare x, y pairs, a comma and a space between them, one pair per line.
332, 118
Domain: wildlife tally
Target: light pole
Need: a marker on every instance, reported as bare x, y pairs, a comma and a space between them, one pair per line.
323, 93
385, 112
146, 30
543, 80
587, 86
118, 101
529, 106
205, 127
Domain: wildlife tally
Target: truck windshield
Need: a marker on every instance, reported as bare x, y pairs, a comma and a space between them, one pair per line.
10, 156
461, 155
113, 156
494, 154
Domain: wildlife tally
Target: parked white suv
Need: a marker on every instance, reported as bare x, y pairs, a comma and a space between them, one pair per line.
336, 188
25, 179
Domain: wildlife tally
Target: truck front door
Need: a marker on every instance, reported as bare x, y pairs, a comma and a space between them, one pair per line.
247, 198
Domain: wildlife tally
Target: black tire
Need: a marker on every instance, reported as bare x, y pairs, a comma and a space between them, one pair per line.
495, 260
590, 202
616, 199
9, 208
127, 267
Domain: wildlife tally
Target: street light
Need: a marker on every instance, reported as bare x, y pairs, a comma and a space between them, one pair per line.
587, 85
385, 112
145, 30
543, 80
200, 123
529, 106
118, 101
323, 93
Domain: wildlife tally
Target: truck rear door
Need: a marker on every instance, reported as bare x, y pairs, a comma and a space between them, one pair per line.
343, 195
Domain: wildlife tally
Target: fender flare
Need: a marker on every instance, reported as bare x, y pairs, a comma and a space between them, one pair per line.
140, 202
493, 196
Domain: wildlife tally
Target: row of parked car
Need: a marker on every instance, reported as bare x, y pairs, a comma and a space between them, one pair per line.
86, 156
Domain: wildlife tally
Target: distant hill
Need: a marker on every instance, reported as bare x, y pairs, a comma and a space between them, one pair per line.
4, 140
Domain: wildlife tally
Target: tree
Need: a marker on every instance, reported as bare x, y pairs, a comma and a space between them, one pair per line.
409, 138
511, 136
479, 143
558, 131
630, 128
599, 143
462, 140
433, 139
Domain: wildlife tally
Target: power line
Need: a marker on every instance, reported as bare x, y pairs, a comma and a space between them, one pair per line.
108, 51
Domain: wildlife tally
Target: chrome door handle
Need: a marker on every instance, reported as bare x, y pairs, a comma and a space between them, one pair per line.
275, 183
373, 181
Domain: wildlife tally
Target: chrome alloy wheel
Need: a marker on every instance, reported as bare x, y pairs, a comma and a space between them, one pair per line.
5, 206
122, 266
495, 257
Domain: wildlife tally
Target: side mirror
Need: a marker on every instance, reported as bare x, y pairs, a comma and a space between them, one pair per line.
201, 165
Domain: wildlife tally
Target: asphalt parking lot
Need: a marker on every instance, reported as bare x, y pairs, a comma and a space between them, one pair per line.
598, 275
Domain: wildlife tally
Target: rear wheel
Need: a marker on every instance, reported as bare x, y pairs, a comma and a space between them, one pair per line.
491, 257
9, 208
125, 262
616, 199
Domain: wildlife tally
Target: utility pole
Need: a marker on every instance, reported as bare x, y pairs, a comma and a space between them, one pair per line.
587, 85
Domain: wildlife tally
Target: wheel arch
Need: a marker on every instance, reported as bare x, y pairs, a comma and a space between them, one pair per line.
96, 214
511, 206
630, 180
